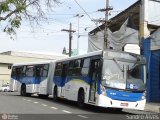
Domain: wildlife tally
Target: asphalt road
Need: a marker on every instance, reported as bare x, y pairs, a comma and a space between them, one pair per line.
14, 106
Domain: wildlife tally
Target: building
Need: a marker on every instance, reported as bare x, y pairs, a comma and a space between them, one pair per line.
10, 57
145, 17
142, 15
151, 50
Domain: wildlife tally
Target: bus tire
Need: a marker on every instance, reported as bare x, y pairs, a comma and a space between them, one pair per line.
81, 98
55, 94
23, 90
5, 90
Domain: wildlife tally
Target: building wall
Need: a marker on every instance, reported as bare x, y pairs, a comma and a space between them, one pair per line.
4, 73
153, 71
155, 75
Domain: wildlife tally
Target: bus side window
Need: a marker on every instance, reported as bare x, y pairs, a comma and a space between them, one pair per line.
65, 69
77, 68
71, 64
58, 70
77, 64
30, 71
18, 71
70, 70
24, 71
45, 70
85, 67
38, 70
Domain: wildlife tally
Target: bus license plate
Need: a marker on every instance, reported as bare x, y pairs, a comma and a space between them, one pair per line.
124, 104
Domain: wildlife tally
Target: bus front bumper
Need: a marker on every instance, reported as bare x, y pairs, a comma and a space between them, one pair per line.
105, 101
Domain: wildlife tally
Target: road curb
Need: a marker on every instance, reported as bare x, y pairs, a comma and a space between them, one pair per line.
152, 108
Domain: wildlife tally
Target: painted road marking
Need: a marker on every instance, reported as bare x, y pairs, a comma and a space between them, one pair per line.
36, 102
44, 104
82, 116
53, 108
24, 99
28, 100
66, 111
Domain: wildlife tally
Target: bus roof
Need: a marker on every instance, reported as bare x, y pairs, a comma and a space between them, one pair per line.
33, 63
82, 56
111, 53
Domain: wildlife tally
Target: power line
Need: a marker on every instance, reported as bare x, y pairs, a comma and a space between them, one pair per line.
86, 13
71, 14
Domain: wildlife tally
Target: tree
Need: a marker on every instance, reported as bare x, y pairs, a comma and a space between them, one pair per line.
14, 11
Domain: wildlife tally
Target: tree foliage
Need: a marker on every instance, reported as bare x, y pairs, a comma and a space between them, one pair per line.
13, 11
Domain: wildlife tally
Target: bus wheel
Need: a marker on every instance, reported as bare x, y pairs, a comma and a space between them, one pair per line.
23, 90
55, 94
81, 98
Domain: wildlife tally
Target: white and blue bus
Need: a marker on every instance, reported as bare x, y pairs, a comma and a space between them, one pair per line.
33, 77
107, 78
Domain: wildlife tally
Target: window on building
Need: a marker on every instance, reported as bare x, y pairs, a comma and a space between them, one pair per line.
9, 66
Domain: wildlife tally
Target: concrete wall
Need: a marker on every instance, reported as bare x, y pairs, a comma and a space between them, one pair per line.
4, 73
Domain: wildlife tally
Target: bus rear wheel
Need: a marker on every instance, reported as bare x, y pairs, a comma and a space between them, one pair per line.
23, 90
81, 98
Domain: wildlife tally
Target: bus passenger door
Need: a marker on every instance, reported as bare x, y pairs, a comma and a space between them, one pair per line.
94, 74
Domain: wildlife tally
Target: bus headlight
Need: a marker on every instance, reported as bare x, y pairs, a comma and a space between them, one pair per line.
144, 96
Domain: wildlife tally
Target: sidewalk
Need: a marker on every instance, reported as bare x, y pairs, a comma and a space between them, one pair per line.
153, 107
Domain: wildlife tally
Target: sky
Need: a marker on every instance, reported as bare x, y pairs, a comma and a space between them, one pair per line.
48, 37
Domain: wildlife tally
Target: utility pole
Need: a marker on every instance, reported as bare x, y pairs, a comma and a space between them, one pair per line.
70, 37
143, 29
78, 16
106, 21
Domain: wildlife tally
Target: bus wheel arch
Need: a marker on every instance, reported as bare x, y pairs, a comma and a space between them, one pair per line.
81, 98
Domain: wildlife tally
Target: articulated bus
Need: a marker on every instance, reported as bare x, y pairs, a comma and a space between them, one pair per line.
107, 78
33, 77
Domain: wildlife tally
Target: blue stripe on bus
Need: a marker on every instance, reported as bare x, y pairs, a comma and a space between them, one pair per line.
124, 95
60, 81
29, 80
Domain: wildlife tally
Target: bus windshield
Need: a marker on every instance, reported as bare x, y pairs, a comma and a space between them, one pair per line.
123, 75
135, 76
